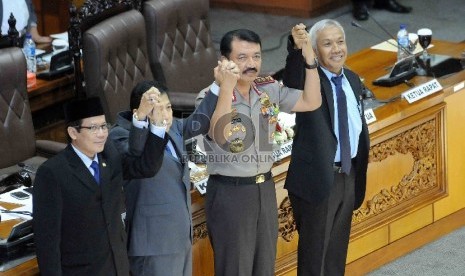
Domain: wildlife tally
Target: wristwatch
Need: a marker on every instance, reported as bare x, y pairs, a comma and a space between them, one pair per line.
311, 66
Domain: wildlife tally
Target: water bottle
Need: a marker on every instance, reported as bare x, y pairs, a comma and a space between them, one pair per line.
402, 42
29, 49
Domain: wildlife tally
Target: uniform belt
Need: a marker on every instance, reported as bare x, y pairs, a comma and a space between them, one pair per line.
237, 180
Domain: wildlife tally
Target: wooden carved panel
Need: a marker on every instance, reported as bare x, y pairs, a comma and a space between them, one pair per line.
287, 227
420, 141
410, 155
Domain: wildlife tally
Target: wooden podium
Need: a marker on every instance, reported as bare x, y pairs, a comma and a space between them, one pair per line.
414, 179
415, 190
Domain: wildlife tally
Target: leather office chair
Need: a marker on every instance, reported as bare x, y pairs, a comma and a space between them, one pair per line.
114, 53
17, 136
115, 60
181, 51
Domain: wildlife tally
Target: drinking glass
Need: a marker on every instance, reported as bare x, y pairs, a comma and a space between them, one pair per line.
424, 38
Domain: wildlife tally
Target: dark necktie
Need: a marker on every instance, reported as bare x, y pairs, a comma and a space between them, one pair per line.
95, 167
344, 140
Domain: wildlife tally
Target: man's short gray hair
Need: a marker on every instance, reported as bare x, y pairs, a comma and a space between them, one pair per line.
320, 25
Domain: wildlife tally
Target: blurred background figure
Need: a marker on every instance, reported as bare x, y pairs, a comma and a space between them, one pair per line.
26, 19
360, 7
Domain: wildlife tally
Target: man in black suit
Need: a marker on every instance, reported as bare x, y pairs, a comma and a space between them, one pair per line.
360, 7
77, 197
327, 173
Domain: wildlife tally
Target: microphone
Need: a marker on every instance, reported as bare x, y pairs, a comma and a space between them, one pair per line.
402, 70
405, 50
381, 26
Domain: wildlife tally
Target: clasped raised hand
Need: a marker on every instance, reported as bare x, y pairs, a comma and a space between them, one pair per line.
147, 103
227, 72
302, 41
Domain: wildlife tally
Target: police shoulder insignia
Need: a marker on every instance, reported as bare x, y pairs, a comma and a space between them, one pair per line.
264, 80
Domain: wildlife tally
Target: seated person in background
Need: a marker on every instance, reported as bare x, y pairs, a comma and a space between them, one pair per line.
26, 19
360, 7
77, 196
158, 209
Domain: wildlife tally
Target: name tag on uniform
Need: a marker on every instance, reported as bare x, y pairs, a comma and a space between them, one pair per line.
201, 185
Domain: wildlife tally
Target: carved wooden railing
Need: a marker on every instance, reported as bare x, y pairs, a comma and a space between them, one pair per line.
12, 37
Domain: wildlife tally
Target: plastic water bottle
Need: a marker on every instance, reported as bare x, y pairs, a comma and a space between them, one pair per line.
29, 49
402, 42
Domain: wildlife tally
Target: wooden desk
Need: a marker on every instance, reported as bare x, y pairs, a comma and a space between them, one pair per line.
46, 100
405, 138
413, 179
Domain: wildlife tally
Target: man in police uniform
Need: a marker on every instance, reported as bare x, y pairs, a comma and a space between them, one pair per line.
241, 204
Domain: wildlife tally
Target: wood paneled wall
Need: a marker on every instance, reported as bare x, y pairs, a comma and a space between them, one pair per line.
302, 8
52, 16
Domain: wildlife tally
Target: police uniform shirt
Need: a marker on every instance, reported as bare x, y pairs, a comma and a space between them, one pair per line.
252, 126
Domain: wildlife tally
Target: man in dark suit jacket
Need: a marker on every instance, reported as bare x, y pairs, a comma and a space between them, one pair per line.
322, 196
158, 214
77, 197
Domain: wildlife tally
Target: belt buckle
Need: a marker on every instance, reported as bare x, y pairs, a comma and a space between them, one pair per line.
259, 178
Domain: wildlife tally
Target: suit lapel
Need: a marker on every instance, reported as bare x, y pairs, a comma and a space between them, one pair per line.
354, 82
79, 169
328, 94
176, 141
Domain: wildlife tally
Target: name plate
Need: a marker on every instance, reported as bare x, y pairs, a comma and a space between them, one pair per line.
201, 185
283, 151
422, 91
370, 116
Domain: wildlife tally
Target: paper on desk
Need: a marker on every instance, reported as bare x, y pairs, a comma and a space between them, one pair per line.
39, 51
26, 205
387, 46
63, 35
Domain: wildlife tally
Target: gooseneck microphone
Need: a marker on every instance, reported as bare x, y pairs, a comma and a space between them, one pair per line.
405, 50
402, 71
381, 26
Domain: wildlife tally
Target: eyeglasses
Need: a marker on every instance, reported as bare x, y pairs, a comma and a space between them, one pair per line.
94, 128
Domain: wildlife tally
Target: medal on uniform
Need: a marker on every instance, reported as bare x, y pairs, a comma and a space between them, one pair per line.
236, 133
236, 145
269, 110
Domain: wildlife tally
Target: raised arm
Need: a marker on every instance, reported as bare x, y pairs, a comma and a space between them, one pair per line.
311, 96
226, 76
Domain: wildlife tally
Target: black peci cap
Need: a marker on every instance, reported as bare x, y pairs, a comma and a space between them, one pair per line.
83, 108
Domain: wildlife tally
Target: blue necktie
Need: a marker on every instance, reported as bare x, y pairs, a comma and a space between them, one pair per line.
95, 167
344, 140
167, 149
